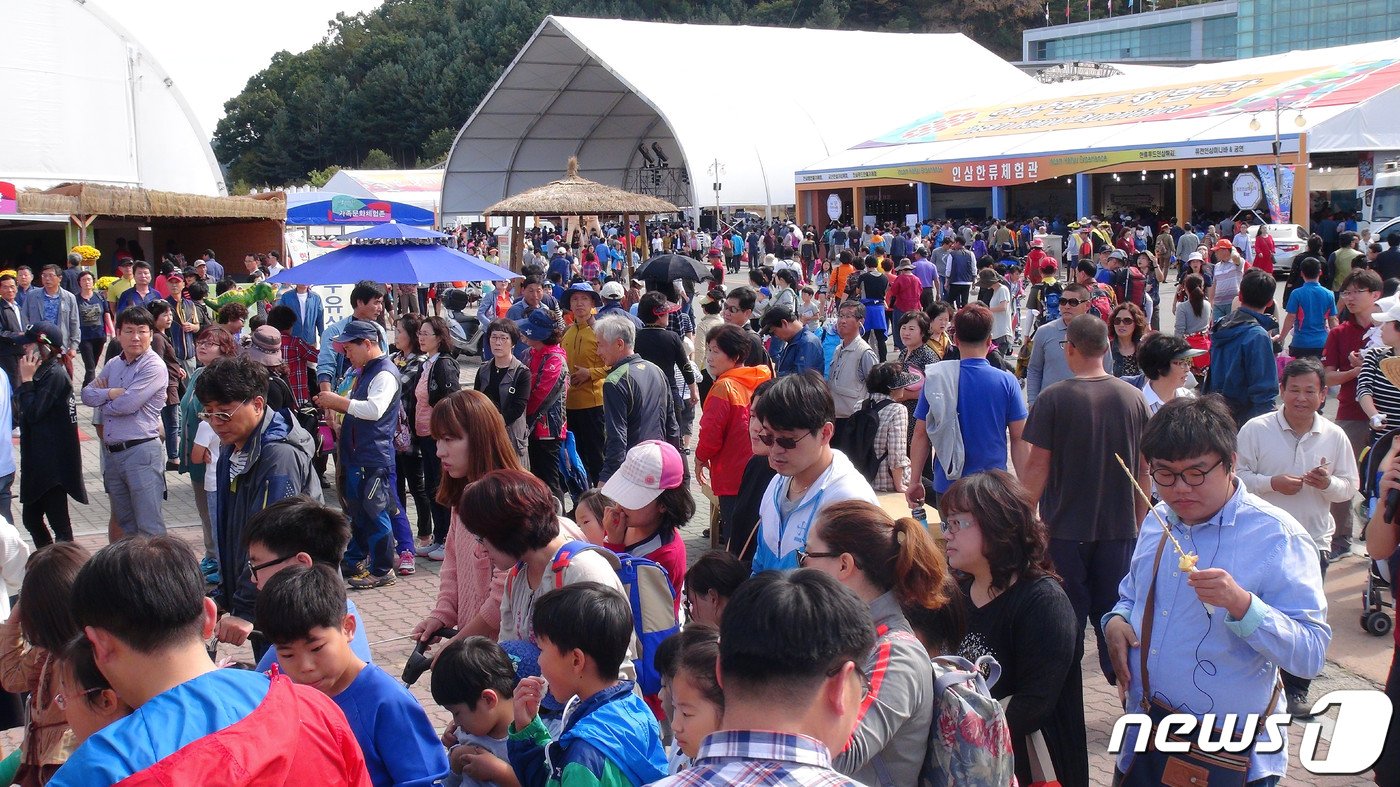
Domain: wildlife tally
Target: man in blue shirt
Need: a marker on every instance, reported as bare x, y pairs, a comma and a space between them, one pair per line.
969, 429
802, 350
140, 293
1312, 310
1238, 590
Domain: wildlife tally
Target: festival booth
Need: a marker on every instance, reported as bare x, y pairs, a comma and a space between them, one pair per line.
1210, 138
161, 220
323, 210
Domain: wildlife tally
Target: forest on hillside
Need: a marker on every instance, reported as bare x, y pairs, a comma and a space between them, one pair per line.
391, 87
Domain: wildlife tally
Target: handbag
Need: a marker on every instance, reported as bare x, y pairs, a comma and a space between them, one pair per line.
1200, 341
1193, 767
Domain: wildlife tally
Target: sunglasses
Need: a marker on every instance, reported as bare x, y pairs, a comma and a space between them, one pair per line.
1124, 321
222, 418
1072, 302
785, 443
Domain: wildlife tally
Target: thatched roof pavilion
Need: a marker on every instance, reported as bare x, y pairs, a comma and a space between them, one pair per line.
572, 195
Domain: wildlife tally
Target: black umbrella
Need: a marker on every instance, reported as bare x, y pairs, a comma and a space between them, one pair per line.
669, 267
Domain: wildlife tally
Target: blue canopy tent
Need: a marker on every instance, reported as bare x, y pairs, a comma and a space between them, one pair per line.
393, 254
324, 209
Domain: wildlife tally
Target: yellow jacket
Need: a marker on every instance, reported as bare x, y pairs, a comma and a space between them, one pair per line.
581, 348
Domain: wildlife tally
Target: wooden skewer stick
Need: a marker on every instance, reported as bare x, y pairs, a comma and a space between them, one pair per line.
1166, 528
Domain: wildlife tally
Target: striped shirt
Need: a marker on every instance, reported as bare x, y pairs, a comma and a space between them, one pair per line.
758, 758
1373, 383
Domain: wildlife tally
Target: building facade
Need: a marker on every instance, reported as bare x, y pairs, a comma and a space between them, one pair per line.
1215, 31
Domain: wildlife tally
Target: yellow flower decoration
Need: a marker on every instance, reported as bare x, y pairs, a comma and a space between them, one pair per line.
90, 254
103, 283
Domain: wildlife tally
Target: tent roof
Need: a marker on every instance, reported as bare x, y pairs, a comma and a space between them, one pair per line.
1336, 90
418, 187
597, 88
93, 198
89, 103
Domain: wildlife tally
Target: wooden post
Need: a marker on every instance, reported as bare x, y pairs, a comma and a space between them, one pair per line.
517, 243
1302, 199
1183, 195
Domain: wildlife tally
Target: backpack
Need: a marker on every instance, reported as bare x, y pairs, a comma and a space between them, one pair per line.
860, 441
649, 594
1101, 300
1134, 288
970, 741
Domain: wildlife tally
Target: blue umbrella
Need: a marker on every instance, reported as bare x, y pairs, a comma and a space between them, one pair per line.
406, 263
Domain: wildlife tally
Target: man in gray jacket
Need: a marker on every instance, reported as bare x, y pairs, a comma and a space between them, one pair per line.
52, 303
637, 400
1047, 365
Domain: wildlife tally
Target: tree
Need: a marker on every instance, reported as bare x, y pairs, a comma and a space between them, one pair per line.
318, 178
437, 146
378, 159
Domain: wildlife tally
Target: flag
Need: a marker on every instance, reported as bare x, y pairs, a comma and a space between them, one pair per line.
1047, 12
1066, 10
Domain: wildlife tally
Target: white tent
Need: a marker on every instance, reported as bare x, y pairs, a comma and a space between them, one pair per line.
762, 101
421, 188
84, 101
1347, 99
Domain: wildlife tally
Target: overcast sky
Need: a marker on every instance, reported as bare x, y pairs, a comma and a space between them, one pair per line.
211, 49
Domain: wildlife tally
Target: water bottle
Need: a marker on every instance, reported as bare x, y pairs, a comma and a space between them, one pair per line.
919, 515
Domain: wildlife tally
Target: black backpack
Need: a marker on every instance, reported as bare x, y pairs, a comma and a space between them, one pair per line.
861, 430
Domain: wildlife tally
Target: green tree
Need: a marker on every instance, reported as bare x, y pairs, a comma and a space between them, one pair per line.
320, 177
378, 159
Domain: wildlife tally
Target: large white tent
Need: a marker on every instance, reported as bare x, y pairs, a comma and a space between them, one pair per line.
85, 101
1341, 99
761, 101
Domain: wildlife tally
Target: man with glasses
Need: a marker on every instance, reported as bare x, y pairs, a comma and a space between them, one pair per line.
129, 393
738, 310
796, 414
1341, 358
850, 365
1077, 430
637, 400
1211, 637
1047, 364
793, 691
267, 457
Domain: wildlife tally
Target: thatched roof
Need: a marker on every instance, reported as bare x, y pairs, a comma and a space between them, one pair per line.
572, 195
85, 199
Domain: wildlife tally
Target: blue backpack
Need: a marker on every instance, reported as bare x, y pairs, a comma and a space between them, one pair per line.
647, 586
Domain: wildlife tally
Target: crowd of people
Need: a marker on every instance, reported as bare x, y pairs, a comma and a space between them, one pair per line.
858, 385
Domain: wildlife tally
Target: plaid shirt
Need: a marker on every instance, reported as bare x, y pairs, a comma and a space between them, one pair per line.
756, 758
298, 355
891, 444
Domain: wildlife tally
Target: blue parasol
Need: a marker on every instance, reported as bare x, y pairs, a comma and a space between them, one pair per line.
414, 259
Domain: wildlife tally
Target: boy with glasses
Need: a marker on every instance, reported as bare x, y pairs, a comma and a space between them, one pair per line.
796, 414
266, 457
1341, 358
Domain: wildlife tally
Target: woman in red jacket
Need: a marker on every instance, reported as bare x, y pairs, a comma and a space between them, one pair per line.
723, 449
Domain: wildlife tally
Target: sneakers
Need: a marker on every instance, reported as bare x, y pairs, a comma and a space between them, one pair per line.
209, 567
437, 552
406, 565
365, 580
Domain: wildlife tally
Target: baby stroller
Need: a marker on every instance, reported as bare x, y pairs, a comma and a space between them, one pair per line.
1377, 596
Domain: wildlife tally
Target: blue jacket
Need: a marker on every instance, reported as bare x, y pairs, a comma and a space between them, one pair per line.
1242, 366
370, 443
309, 325
612, 730
802, 353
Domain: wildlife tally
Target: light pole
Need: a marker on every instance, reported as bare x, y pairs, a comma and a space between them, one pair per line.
717, 172
1298, 121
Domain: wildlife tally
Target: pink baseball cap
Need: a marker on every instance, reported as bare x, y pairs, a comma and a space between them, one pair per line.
651, 467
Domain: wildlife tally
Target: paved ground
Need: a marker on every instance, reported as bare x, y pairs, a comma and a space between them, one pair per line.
1355, 659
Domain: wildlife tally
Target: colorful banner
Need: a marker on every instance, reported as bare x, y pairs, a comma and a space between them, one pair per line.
8, 199
1278, 191
1296, 89
1015, 170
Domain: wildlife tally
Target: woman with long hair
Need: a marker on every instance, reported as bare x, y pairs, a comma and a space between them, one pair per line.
1192, 311
1129, 326
890, 564
1018, 612
471, 441
50, 461
209, 344
407, 357
437, 378
31, 639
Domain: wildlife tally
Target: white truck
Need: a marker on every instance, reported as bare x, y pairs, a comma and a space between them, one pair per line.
1380, 203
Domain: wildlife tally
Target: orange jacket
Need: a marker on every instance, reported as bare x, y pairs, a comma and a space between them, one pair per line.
724, 427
